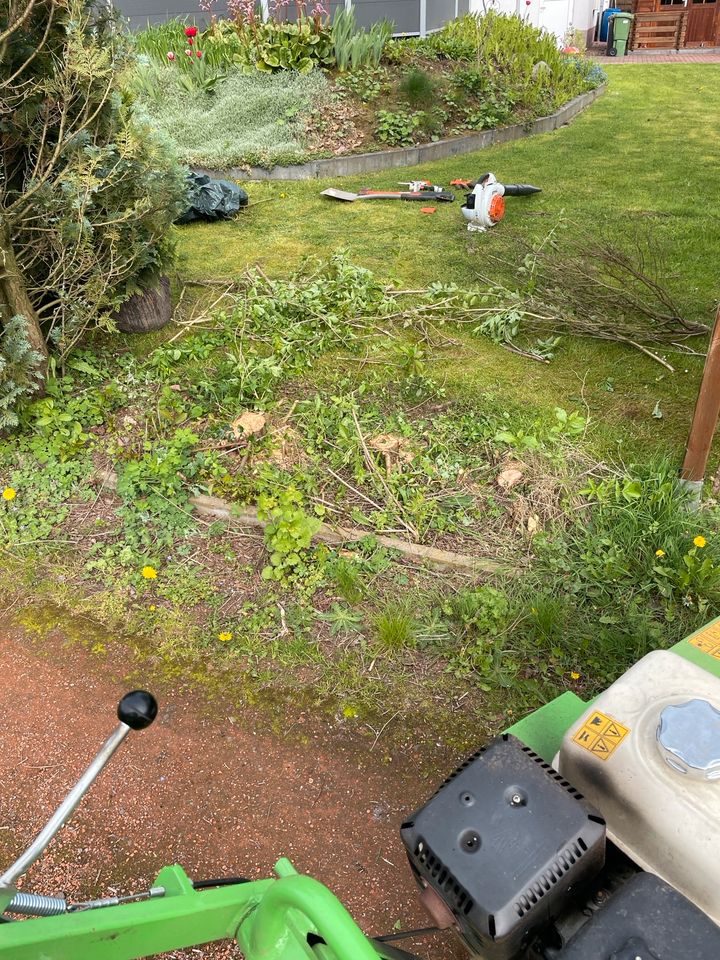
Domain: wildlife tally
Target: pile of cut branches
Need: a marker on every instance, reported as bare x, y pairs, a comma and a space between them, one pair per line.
597, 291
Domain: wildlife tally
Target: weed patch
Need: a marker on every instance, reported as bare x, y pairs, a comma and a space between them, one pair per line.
597, 565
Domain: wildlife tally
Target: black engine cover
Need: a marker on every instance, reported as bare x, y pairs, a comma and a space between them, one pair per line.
646, 918
502, 842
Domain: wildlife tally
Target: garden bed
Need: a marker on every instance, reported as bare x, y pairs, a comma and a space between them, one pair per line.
390, 158
227, 102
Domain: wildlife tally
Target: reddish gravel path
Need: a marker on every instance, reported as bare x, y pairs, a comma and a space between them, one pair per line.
218, 797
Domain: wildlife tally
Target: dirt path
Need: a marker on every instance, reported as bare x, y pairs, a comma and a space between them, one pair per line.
219, 796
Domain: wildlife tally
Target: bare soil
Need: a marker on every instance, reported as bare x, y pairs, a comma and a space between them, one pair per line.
220, 794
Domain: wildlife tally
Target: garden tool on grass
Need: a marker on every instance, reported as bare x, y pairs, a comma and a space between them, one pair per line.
427, 192
485, 205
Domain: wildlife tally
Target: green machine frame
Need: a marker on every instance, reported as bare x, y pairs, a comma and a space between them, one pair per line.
289, 917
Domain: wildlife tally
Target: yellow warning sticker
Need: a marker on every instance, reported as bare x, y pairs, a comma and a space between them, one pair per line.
601, 735
708, 640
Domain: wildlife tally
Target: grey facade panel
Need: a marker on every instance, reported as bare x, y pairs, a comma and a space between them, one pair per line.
404, 14
142, 12
439, 12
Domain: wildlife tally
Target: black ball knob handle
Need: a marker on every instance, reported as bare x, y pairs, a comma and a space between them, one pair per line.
137, 709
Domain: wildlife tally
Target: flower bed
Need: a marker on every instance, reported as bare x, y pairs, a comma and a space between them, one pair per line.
248, 92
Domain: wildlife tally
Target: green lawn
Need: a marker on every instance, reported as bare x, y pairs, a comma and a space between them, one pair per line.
595, 569
643, 157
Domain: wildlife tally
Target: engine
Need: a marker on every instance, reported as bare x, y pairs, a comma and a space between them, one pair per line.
610, 853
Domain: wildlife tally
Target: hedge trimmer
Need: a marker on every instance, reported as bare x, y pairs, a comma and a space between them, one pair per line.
587, 831
418, 190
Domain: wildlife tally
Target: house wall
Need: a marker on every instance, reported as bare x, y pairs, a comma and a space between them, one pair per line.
407, 15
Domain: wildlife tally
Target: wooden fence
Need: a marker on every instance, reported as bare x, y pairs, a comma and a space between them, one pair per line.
661, 30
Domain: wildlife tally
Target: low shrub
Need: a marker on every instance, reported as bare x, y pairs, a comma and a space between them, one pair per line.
417, 88
364, 83
507, 50
19, 376
397, 129
256, 118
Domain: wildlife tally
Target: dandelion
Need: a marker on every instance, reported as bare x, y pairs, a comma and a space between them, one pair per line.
659, 553
170, 55
152, 606
700, 542
574, 675
150, 573
9, 494
225, 636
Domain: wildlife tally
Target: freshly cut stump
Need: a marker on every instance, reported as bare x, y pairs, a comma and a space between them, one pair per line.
146, 311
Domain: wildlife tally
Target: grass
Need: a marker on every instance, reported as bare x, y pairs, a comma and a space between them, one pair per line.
642, 157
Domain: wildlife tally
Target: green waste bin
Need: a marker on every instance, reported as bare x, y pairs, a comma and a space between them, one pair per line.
619, 34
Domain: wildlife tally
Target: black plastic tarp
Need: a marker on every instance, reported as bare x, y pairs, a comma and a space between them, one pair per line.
211, 199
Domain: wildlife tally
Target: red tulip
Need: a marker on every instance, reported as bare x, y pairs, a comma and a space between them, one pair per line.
171, 55
198, 53
190, 41
191, 31
188, 52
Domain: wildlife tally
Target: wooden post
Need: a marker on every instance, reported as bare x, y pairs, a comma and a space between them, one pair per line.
705, 418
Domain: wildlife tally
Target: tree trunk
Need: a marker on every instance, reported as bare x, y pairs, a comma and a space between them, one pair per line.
14, 299
149, 310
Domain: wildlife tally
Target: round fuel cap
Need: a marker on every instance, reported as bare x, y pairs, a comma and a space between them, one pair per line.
688, 736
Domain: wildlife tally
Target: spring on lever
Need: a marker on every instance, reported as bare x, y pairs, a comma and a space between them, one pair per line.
36, 905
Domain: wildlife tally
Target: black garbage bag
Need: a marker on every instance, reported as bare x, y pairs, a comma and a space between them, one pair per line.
212, 199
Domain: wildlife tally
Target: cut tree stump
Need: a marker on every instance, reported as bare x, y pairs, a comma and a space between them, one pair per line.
146, 311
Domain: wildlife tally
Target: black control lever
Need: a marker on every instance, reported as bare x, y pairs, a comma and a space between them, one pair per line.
136, 711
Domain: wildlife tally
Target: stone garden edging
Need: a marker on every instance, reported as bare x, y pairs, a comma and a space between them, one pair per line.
358, 163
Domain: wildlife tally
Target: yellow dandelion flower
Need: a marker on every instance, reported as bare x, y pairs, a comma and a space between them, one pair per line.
152, 606
150, 573
574, 675
700, 542
225, 636
9, 494
659, 553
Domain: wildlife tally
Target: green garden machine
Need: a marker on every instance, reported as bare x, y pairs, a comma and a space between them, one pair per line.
587, 831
